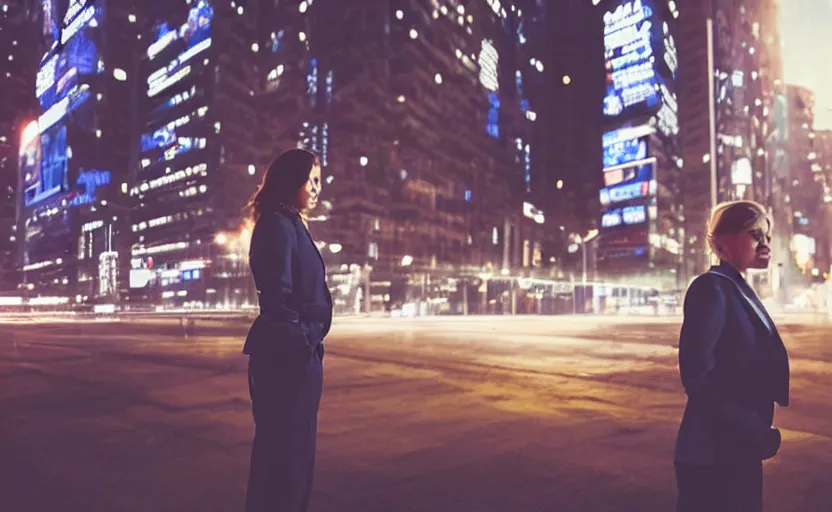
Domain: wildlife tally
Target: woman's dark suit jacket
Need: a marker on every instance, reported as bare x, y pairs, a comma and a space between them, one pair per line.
290, 276
734, 367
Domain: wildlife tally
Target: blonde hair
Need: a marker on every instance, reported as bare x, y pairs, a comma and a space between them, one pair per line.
734, 217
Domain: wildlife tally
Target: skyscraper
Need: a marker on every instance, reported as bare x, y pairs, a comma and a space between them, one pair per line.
733, 119
196, 155
77, 153
641, 229
425, 118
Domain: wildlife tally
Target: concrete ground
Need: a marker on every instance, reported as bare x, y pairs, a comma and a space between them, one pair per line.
445, 414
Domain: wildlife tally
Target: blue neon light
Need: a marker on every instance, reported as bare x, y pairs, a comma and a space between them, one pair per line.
51, 178
625, 192
493, 126
628, 216
634, 43
89, 181
624, 151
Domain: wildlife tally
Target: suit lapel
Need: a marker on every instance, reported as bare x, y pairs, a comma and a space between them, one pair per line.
321, 258
756, 306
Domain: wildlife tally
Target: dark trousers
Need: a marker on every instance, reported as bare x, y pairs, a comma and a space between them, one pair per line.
720, 488
285, 394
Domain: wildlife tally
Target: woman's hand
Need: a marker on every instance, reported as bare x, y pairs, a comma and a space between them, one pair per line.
771, 443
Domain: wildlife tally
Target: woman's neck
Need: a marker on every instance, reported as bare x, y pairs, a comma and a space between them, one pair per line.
735, 267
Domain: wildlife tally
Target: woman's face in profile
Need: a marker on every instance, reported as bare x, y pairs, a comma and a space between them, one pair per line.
749, 249
308, 194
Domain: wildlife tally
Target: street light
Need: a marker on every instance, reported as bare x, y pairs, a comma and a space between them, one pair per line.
407, 260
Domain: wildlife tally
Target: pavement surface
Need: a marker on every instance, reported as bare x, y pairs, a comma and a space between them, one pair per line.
444, 414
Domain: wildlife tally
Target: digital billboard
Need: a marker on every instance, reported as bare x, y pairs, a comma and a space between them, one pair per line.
52, 177
194, 36
625, 145
627, 216
634, 172
639, 52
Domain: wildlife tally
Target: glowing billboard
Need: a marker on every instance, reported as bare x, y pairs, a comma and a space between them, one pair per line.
51, 177
640, 54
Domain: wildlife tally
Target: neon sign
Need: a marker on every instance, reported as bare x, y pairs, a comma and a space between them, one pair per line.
78, 23
625, 145
636, 171
636, 44
626, 192
90, 181
628, 216
194, 31
46, 76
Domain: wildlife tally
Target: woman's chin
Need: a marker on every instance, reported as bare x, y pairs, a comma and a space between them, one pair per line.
761, 263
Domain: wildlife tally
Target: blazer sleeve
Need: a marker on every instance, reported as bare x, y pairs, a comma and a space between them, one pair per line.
704, 319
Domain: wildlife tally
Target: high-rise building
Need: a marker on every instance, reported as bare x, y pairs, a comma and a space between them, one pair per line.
641, 230
733, 119
21, 50
425, 115
77, 154
196, 155
810, 237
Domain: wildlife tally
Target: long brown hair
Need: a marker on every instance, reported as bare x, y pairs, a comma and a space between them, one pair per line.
286, 175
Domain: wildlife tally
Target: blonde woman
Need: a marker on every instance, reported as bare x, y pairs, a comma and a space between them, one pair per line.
734, 368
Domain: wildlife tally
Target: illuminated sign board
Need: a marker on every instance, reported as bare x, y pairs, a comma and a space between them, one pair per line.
635, 41
628, 216
626, 145
46, 76
51, 177
626, 192
194, 31
82, 20
636, 171
87, 183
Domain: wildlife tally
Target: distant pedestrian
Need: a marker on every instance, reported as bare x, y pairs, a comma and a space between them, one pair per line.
734, 367
285, 343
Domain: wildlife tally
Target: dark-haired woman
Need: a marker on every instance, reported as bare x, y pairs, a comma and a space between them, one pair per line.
285, 343
734, 368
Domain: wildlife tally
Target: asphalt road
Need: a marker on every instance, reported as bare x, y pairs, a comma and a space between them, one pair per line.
471, 414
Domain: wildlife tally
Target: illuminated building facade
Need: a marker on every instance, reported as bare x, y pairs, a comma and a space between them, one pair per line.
640, 229
196, 156
810, 238
734, 122
425, 114
76, 152
21, 50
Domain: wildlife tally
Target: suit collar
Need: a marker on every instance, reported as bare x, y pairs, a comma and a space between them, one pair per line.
727, 271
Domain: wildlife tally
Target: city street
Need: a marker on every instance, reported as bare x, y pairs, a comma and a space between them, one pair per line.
438, 414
